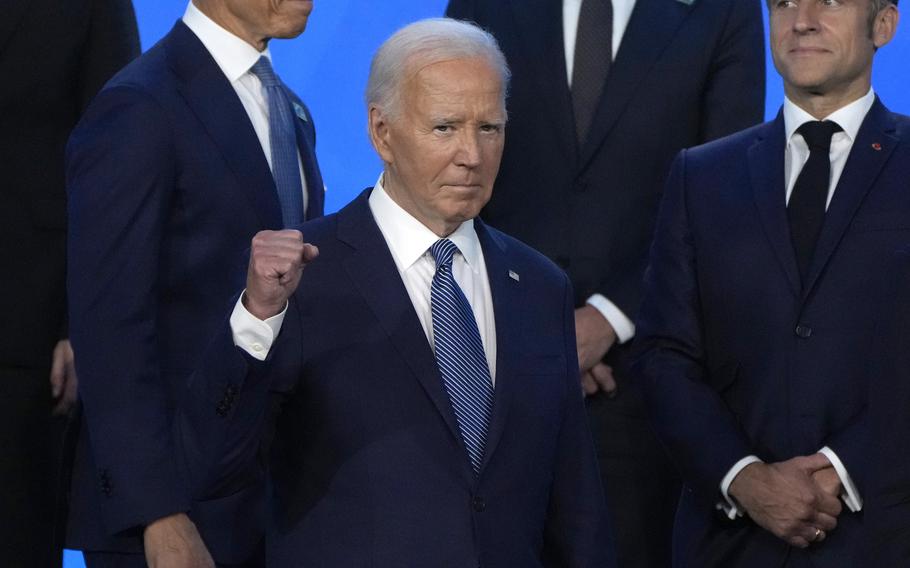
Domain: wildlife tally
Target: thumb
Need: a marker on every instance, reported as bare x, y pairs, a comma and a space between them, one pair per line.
57, 371
815, 462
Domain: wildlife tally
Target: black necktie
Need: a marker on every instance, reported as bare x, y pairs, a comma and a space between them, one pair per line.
593, 56
806, 210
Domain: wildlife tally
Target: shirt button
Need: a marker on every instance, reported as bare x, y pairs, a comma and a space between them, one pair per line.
257, 347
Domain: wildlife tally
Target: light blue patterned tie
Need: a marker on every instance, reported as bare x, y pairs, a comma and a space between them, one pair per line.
283, 139
460, 355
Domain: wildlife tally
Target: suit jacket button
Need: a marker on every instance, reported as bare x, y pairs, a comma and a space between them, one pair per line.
803, 331
478, 504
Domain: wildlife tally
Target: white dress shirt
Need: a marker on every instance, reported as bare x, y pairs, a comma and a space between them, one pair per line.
622, 11
849, 118
409, 242
235, 57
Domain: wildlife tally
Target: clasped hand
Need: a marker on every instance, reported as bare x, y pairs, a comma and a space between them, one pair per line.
797, 500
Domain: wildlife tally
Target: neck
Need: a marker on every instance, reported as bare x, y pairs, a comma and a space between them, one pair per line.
821, 105
221, 15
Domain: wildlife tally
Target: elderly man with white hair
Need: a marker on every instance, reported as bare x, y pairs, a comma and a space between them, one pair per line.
417, 382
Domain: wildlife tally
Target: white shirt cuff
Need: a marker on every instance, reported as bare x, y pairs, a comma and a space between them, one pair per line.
849, 493
622, 325
728, 505
252, 334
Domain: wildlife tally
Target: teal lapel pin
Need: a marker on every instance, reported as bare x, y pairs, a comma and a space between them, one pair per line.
301, 114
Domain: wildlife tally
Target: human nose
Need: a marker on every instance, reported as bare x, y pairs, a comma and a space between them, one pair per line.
468, 149
806, 17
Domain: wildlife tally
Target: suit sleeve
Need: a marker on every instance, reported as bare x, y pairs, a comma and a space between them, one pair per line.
120, 186
112, 42
690, 418
577, 531
231, 403
734, 94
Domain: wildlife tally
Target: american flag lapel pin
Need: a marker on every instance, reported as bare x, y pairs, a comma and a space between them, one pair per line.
877, 147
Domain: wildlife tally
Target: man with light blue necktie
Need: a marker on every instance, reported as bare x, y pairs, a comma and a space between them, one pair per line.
181, 159
414, 367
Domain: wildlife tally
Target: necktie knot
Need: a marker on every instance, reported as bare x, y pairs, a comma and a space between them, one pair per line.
443, 252
817, 134
263, 69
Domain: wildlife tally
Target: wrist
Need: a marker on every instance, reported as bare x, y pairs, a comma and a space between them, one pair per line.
739, 487
261, 310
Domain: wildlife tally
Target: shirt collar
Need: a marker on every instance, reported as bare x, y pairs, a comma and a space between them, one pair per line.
849, 117
409, 239
233, 55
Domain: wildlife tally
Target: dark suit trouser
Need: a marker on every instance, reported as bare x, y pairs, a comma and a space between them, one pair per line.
31, 441
640, 482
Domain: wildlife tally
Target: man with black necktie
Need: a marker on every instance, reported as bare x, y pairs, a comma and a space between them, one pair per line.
766, 275
181, 159
605, 93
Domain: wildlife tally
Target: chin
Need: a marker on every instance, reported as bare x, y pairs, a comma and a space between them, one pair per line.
290, 30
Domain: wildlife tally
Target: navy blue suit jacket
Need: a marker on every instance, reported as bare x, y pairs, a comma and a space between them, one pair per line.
367, 464
167, 184
685, 73
738, 356
888, 497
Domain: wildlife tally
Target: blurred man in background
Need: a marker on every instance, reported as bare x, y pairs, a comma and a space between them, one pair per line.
604, 94
54, 57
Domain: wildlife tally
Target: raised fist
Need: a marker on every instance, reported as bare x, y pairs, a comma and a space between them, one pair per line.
277, 259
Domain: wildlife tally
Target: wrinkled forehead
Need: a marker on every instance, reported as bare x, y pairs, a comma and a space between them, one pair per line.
451, 75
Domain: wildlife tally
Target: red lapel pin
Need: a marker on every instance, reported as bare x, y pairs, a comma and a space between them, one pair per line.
877, 147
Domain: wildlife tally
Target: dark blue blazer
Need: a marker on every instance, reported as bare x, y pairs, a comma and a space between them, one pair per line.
367, 464
887, 500
167, 184
685, 73
738, 356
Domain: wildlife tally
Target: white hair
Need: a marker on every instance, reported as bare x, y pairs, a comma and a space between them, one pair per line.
423, 43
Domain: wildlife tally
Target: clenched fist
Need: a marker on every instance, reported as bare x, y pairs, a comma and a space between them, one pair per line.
277, 259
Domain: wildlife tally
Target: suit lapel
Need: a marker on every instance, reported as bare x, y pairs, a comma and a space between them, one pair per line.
766, 169
863, 166
507, 313
217, 106
651, 28
372, 270
539, 24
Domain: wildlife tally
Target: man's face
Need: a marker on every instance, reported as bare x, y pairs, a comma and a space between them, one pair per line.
442, 152
262, 19
824, 47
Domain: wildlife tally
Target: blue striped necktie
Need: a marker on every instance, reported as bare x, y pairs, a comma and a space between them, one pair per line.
283, 140
460, 355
